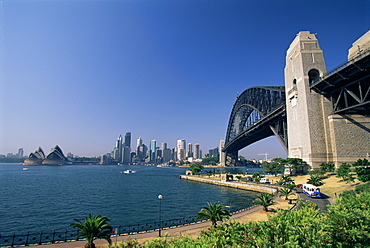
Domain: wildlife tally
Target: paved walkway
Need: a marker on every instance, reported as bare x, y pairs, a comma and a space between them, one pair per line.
173, 232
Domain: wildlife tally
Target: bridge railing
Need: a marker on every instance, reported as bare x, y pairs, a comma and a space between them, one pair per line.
16, 240
343, 65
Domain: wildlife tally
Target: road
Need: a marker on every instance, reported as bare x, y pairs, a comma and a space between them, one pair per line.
322, 202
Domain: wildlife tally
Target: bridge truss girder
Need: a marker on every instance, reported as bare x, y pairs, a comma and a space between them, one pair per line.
348, 86
258, 113
273, 124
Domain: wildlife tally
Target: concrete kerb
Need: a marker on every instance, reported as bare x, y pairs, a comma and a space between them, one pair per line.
246, 186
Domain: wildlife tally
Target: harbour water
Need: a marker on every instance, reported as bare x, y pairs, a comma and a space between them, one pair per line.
48, 198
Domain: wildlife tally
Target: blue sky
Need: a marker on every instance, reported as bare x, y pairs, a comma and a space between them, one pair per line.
80, 73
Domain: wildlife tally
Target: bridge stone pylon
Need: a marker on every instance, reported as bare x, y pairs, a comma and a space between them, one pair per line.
315, 134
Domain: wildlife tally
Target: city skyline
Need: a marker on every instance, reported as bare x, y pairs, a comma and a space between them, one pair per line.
77, 73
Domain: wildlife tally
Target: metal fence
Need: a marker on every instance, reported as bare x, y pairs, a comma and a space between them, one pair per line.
71, 235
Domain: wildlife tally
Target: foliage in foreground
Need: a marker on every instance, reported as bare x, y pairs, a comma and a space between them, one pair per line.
213, 212
93, 227
346, 224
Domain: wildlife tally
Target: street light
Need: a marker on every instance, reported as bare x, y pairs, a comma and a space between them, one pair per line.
160, 215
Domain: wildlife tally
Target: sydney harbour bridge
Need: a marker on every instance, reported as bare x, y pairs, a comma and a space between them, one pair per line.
317, 115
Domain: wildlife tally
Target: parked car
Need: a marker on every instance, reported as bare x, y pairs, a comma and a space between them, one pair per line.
264, 180
250, 179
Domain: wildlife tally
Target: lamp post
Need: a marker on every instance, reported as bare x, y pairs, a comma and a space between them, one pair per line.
160, 215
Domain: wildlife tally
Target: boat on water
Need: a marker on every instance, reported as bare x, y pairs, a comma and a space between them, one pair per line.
128, 171
26, 168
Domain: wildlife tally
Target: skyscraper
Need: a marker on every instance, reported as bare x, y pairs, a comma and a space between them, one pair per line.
181, 149
166, 153
196, 151
141, 151
20, 152
117, 152
213, 152
139, 142
128, 139
190, 150
153, 151
126, 158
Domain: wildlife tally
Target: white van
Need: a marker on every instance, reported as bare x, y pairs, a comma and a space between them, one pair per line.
311, 190
264, 180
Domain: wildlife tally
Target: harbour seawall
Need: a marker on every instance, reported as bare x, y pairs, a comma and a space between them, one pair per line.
246, 186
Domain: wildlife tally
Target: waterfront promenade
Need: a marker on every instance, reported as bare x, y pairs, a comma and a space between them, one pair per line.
190, 230
254, 213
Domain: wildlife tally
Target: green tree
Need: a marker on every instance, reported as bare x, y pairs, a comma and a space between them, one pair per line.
344, 172
96, 227
257, 176
286, 192
265, 200
238, 177
286, 178
296, 164
213, 212
327, 167
210, 161
362, 169
274, 167
242, 161
349, 220
317, 172
196, 168
315, 180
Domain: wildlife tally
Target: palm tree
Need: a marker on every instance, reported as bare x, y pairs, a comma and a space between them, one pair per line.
285, 192
265, 200
214, 212
286, 178
96, 227
315, 180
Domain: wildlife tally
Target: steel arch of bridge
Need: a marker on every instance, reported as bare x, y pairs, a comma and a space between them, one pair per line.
259, 112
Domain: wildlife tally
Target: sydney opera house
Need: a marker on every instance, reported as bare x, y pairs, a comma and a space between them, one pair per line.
55, 157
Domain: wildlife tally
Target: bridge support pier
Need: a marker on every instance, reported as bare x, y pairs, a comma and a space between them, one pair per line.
231, 158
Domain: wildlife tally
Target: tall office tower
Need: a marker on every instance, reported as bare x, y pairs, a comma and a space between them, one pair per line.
126, 158
196, 151
20, 152
173, 154
164, 146
213, 152
162, 151
141, 151
159, 153
118, 149
190, 150
128, 139
153, 151
181, 149
222, 154
139, 142
166, 155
